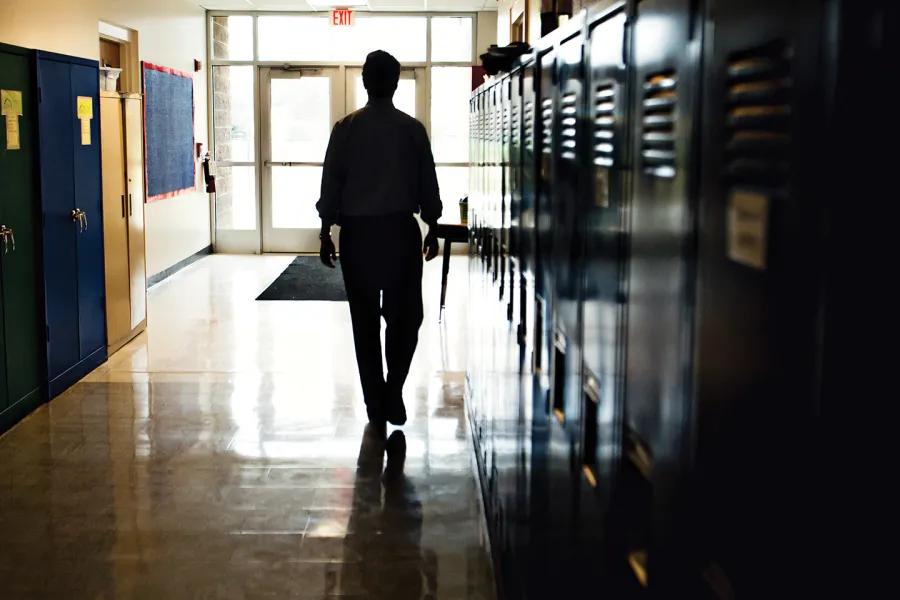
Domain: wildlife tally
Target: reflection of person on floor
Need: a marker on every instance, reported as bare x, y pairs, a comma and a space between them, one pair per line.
386, 539
379, 172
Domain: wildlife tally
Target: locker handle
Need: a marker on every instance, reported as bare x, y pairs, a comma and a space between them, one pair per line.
12, 238
4, 232
76, 217
130, 206
123, 206
84, 218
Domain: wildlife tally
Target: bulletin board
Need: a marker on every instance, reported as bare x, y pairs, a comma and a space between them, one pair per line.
168, 132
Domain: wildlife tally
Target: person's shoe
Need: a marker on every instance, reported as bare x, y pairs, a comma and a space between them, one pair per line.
396, 411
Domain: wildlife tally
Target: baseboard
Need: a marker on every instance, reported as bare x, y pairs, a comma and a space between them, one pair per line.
21, 409
166, 273
119, 344
76, 373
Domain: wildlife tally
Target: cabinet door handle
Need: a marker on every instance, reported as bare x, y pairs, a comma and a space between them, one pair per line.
76, 217
130, 206
123, 206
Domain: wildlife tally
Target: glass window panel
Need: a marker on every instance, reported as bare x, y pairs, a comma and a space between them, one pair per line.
299, 38
233, 130
454, 184
301, 118
404, 97
404, 37
451, 39
235, 198
232, 38
451, 88
295, 191
311, 38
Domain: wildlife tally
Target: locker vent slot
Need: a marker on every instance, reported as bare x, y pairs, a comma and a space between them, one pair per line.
547, 121
529, 126
604, 124
658, 137
516, 127
758, 116
569, 126
504, 124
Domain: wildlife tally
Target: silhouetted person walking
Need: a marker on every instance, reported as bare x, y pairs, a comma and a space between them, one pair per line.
379, 171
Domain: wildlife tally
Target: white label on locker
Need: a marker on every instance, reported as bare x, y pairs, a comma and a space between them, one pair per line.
748, 228
601, 185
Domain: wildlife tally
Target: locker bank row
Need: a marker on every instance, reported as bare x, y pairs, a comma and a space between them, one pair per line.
73, 282
658, 323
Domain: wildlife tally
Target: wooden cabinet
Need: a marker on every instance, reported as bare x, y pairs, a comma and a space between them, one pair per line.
21, 319
123, 218
74, 280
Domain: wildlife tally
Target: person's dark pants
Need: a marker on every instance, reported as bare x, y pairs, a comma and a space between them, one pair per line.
381, 258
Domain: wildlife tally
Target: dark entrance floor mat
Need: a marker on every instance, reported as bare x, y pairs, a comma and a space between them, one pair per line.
306, 278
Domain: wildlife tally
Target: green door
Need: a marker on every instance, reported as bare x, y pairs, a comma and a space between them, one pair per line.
20, 264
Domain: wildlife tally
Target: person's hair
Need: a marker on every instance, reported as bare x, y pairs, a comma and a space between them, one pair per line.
381, 74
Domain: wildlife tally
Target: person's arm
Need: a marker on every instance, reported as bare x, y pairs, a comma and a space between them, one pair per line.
332, 179
330, 196
429, 193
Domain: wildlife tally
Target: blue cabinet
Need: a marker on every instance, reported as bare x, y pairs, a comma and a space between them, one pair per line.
71, 204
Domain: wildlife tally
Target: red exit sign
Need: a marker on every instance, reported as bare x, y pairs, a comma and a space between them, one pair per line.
342, 17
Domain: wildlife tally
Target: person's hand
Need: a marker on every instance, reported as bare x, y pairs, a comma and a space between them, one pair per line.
430, 247
327, 252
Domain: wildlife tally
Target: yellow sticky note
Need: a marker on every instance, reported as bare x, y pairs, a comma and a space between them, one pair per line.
12, 132
85, 132
11, 102
85, 107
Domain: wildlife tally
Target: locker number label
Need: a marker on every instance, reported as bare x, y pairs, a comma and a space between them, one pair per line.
748, 228
85, 114
11, 109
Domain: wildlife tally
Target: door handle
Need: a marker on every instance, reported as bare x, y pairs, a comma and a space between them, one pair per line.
130, 206
12, 238
84, 218
123, 206
76, 217
3, 233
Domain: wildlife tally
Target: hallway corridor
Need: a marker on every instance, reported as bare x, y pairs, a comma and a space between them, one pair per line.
224, 454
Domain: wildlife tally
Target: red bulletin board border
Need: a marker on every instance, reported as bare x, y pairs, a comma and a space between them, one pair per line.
145, 66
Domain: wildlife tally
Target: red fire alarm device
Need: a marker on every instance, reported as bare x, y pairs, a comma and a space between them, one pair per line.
341, 17
199, 148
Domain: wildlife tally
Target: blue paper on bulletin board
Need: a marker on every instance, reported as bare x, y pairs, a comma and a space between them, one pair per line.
168, 132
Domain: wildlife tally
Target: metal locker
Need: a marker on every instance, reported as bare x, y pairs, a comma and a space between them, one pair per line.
760, 263
666, 47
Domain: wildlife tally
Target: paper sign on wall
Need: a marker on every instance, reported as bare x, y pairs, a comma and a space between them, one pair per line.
85, 114
11, 108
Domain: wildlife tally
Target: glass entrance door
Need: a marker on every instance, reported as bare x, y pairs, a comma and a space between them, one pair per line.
300, 107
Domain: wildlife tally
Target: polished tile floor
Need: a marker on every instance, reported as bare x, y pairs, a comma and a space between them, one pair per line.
224, 454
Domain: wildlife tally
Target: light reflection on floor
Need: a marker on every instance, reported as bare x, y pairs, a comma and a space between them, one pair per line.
223, 454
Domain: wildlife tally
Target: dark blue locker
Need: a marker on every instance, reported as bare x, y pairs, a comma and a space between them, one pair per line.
88, 198
73, 246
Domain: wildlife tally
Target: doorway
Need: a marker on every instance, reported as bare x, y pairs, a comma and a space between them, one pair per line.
299, 108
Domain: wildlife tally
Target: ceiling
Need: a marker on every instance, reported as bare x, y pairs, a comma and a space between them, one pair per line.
373, 5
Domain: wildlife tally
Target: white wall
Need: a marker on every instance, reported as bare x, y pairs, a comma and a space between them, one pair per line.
486, 29
171, 33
